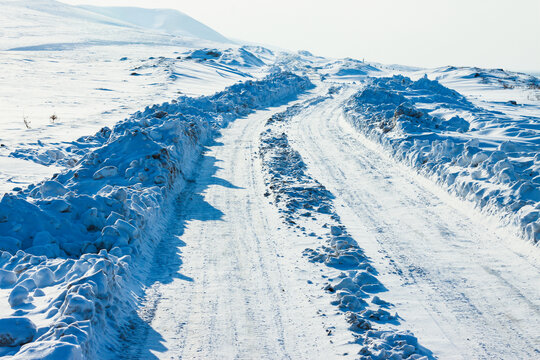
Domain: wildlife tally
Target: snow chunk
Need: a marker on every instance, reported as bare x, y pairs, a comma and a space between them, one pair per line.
105, 172
52, 188
18, 296
43, 277
9, 244
16, 331
49, 350
7, 278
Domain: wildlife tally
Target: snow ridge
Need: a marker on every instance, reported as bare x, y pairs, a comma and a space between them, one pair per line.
301, 200
73, 246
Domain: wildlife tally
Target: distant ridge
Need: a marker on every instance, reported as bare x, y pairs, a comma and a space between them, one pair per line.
164, 20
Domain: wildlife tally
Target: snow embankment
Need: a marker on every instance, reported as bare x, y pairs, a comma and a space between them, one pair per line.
488, 157
304, 204
71, 244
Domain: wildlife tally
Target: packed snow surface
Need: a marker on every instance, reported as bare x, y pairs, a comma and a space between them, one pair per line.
354, 280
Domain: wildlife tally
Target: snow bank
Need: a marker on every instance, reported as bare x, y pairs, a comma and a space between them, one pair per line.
483, 156
348, 68
70, 243
350, 275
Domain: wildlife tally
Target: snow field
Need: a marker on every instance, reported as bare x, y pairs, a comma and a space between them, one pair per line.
103, 85
71, 244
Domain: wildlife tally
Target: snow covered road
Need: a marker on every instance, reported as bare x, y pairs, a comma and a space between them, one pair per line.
166, 193
229, 279
460, 285
239, 293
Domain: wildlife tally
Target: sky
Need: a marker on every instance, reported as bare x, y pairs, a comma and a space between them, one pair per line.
426, 33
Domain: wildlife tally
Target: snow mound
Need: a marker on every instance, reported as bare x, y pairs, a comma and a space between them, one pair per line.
128, 172
497, 77
348, 68
237, 57
16, 331
481, 155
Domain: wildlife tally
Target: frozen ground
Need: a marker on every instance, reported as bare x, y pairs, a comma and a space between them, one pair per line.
194, 198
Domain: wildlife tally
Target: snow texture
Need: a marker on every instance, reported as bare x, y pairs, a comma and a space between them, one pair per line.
164, 20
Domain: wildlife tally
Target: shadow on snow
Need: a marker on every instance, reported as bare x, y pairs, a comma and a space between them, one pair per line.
141, 341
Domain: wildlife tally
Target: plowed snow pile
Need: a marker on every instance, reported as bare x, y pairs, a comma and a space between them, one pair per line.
486, 156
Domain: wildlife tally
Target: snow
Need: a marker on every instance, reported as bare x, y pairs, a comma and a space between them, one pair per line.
479, 154
16, 331
464, 286
236, 201
49, 350
168, 21
89, 71
302, 199
52, 25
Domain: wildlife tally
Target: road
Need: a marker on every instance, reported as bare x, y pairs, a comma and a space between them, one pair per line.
465, 288
229, 280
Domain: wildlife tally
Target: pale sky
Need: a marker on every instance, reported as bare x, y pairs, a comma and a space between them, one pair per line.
487, 33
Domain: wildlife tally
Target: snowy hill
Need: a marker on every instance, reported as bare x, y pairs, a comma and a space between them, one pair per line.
51, 25
168, 21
